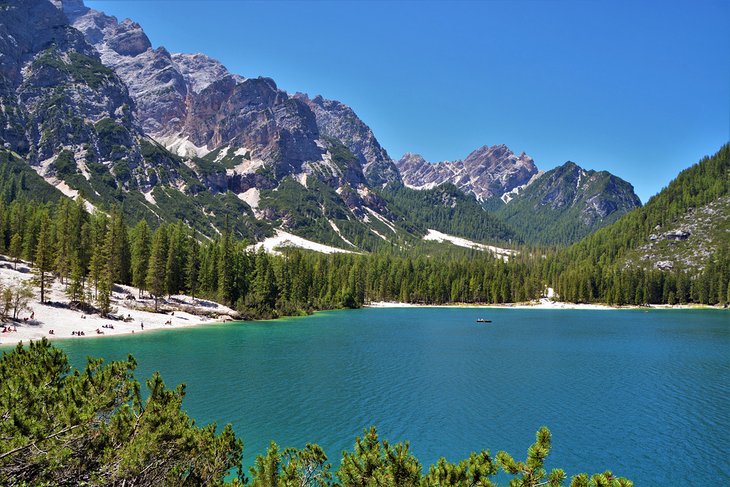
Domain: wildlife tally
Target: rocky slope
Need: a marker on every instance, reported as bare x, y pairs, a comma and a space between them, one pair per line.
567, 203
59, 96
193, 105
557, 207
244, 135
338, 121
71, 118
689, 241
96, 111
679, 242
485, 173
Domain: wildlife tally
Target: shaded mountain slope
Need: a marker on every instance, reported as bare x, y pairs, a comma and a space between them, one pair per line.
567, 203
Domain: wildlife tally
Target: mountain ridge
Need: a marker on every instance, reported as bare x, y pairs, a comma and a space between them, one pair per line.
177, 136
567, 203
484, 173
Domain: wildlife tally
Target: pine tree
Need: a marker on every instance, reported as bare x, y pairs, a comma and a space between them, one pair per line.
63, 240
531, 472
43, 264
98, 259
192, 266
16, 249
116, 251
103, 299
156, 275
75, 289
140, 254
175, 263
263, 287
225, 269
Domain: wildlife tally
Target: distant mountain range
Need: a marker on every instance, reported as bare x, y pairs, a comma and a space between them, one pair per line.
486, 173
94, 109
560, 206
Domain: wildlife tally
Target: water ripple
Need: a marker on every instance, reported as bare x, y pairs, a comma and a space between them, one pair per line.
644, 394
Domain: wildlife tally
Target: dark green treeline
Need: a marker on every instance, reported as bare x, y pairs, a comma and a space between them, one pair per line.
90, 251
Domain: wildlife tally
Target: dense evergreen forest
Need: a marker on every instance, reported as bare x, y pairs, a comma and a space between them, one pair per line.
95, 427
561, 206
596, 269
89, 252
447, 209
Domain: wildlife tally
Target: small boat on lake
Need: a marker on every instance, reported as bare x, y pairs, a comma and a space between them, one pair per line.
482, 320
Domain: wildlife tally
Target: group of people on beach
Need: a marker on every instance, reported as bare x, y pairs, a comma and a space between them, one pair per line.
109, 327
78, 333
8, 329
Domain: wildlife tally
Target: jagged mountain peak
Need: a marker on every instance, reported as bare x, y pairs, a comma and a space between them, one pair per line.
339, 121
486, 172
413, 157
568, 202
185, 99
200, 70
107, 114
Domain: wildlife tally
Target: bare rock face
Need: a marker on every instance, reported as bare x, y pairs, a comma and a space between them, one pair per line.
257, 115
338, 121
485, 173
57, 86
200, 71
157, 87
193, 105
680, 234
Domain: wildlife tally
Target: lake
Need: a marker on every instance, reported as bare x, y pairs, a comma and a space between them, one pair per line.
643, 393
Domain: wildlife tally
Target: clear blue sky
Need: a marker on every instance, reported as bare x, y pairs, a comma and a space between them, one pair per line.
639, 88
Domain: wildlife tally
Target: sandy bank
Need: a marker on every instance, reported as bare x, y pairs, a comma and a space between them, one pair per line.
178, 311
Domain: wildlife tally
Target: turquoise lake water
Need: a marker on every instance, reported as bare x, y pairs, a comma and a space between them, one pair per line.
644, 393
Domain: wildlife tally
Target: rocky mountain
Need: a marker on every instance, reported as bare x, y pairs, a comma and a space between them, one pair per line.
557, 207
193, 105
689, 241
687, 225
71, 118
338, 121
242, 135
58, 95
567, 203
95, 110
485, 173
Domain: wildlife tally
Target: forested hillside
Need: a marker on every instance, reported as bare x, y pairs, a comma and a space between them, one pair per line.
92, 251
600, 266
565, 204
89, 252
447, 209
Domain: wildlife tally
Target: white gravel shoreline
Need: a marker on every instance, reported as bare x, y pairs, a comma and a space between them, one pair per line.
179, 311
